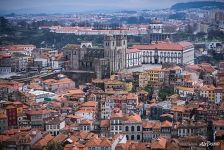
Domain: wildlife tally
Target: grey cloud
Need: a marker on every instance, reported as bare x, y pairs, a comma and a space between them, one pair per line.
79, 5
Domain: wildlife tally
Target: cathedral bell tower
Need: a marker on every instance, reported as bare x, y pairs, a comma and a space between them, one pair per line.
115, 47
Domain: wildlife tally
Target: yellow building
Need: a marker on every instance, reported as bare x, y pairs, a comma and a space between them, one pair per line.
154, 74
214, 94
114, 86
128, 86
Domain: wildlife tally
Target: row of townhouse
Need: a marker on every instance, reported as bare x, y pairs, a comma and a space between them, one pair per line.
147, 130
128, 103
156, 77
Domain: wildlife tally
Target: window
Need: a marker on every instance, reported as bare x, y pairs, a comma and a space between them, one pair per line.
132, 137
126, 128
138, 128
127, 137
116, 128
132, 128
179, 54
138, 137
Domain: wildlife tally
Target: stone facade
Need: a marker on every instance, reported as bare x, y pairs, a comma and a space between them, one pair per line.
115, 48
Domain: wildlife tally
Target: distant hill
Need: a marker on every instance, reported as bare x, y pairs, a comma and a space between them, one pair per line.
199, 4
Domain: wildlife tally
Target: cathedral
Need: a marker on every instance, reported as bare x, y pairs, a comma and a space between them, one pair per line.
115, 47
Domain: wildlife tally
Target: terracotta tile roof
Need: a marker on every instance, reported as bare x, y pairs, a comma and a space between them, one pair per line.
132, 50
185, 88
61, 81
85, 111
85, 135
75, 145
218, 122
203, 67
128, 96
207, 88
105, 142
86, 122
133, 118
164, 46
73, 116
4, 138
89, 104
39, 111
116, 113
60, 138
43, 141
74, 138
3, 116
10, 84
166, 124
75, 92
178, 108
72, 46
10, 107
94, 142
151, 124
18, 47
133, 145
105, 123
159, 143
99, 142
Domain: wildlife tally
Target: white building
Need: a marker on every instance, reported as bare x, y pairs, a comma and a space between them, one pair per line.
40, 96
184, 91
133, 58
5, 70
86, 114
54, 125
167, 52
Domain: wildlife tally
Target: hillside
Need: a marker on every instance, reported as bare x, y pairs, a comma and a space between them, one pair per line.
200, 4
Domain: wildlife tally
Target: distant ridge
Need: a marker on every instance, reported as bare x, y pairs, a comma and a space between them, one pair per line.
199, 4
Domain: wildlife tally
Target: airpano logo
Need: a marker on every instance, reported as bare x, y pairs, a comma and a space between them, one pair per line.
208, 143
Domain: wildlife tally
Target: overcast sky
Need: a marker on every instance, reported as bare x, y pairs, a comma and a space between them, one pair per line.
63, 6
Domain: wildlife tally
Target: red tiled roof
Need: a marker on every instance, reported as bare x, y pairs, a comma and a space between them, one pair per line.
132, 50
164, 46
104, 123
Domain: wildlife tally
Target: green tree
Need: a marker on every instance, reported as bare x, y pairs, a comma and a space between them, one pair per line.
54, 146
164, 92
149, 88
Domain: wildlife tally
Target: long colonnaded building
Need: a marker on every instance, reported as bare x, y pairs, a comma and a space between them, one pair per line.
161, 52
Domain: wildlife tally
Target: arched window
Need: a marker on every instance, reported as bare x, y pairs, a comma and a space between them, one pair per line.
132, 137
132, 128
138, 128
127, 137
126, 128
179, 54
138, 137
